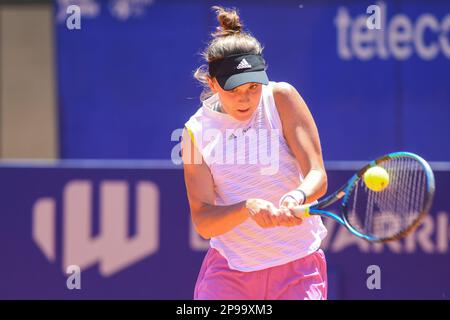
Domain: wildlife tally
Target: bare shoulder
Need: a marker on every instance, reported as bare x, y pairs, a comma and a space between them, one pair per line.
287, 99
283, 90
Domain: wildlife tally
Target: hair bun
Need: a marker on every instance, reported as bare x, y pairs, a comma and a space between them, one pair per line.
229, 20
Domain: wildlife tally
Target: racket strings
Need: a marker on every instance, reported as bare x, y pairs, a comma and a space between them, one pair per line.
389, 212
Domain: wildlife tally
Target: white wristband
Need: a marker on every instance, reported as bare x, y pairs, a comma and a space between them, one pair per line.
298, 195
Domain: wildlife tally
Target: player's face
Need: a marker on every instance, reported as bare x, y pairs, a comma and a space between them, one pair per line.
242, 101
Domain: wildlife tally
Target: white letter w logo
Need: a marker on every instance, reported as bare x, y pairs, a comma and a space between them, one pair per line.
112, 248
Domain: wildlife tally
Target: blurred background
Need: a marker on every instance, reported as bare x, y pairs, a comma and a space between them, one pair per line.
92, 93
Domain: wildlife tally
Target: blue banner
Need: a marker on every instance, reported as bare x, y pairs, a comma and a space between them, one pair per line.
125, 77
125, 230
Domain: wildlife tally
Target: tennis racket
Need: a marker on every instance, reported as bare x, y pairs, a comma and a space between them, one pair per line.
386, 215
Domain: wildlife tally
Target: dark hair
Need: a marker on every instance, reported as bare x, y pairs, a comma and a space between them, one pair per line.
228, 39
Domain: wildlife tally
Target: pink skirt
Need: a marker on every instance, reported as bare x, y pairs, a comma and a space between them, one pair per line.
302, 279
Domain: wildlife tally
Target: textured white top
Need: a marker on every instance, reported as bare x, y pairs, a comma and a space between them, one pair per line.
264, 168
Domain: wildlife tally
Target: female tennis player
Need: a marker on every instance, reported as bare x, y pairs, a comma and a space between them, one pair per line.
258, 249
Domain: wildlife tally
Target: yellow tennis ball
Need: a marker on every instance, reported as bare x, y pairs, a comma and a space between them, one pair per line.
376, 178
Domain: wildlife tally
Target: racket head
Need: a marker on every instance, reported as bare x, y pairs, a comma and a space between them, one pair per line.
394, 212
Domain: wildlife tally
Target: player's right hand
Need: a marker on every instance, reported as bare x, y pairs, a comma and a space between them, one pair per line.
266, 215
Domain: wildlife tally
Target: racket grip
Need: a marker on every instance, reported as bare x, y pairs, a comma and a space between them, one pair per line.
302, 211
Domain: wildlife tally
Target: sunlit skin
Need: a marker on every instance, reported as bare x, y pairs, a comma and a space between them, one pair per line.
241, 102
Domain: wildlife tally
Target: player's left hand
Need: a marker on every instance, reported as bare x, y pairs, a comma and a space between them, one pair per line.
287, 207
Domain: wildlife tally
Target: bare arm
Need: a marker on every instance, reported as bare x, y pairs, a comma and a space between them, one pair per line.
209, 220
301, 134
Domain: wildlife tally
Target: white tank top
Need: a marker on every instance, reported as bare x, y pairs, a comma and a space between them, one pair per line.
253, 172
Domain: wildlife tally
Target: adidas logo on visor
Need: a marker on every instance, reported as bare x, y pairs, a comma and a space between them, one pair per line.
244, 65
